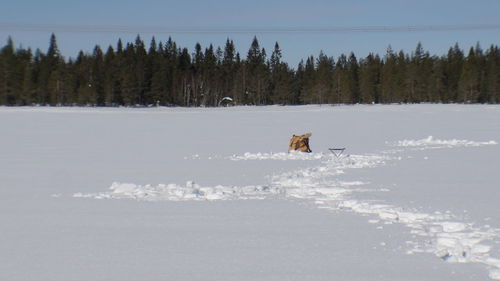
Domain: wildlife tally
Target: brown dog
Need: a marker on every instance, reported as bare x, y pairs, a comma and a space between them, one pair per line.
300, 143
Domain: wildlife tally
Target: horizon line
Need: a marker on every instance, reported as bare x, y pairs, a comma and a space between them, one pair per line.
28, 27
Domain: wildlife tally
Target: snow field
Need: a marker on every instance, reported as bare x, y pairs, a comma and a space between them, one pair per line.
202, 194
451, 240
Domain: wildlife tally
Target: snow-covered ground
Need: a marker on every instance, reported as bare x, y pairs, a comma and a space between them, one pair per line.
211, 194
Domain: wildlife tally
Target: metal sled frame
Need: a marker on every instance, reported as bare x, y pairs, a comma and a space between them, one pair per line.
337, 152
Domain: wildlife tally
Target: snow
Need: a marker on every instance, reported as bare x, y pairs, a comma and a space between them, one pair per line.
174, 192
292, 155
210, 194
430, 142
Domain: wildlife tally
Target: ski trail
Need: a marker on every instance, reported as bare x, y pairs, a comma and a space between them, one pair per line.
443, 234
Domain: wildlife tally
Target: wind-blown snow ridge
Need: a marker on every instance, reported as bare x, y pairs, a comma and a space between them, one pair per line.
310, 180
174, 192
292, 155
430, 142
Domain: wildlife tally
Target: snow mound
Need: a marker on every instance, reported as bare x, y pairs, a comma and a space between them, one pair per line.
174, 192
292, 155
430, 142
305, 183
495, 274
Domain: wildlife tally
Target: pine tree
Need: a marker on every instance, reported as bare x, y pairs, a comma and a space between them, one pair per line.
150, 68
27, 92
323, 80
81, 70
308, 82
111, 82
128, 74
403, 92
257, 74
184, 77
98, 77
209, 97
159, 78
492, 67
413, 79
453, 72
369, 77
341, 91
56, 85
50, 75
388, 81
299, 82
197, 74
483, 94
468, 86
438, 82
8, 64
228, 70
281, 78
240, 81
140, 69
353, 79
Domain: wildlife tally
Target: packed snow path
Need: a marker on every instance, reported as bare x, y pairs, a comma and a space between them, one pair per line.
441, 233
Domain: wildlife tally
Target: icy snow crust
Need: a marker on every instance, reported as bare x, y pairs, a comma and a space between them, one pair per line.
446, 237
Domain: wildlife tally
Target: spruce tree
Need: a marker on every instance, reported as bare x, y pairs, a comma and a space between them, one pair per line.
353, 79
159, 78
209, 95
453, 72
281, 78
369, 79
492, 67
27, 93
468, 86
51, 74
185, 78
308, 81
257, 82
8, 75
228, 70
341, 81
324, 75
387, 77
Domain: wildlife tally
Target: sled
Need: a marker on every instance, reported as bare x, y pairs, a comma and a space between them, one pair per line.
337, 152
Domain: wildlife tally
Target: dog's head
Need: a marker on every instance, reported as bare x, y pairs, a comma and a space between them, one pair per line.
300, 143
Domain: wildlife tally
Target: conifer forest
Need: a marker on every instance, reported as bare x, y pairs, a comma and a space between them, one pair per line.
164, 74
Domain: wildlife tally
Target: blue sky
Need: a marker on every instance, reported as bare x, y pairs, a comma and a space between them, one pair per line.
256, 14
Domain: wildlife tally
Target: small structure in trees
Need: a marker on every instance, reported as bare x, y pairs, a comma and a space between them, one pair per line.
226, 101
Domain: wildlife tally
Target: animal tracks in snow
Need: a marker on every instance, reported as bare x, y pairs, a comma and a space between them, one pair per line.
447, 237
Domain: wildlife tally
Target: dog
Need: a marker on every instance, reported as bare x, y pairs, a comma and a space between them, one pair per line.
300, 143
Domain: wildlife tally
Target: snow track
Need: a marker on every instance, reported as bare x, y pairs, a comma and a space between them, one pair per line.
292, 155
174, 192
442, 234
430, 142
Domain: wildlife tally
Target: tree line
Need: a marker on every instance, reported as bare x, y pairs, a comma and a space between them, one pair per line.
165, 74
